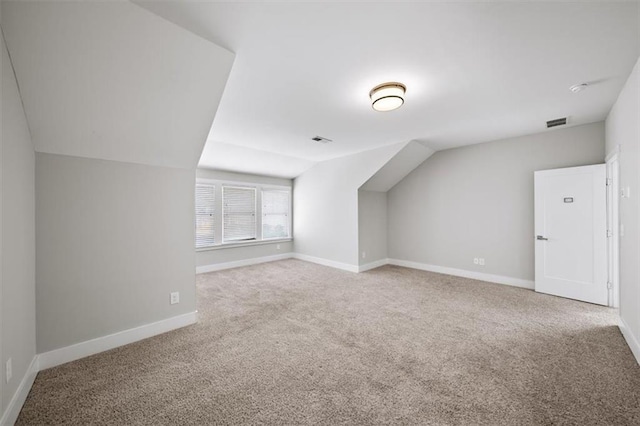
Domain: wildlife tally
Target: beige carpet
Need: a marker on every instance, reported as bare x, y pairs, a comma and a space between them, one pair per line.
291, 342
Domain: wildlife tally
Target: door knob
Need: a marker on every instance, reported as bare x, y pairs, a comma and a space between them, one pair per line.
541, 238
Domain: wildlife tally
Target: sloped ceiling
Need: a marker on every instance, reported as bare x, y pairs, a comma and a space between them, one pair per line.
237, 158
475, 71
400, 165
110, 80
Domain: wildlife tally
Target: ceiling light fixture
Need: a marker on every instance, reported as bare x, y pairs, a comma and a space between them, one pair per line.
387, 96
578, 87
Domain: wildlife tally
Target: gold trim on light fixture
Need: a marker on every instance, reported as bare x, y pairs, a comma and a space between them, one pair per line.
387, 96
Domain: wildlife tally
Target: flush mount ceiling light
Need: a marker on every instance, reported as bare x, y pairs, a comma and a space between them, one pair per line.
578, 87
387, 96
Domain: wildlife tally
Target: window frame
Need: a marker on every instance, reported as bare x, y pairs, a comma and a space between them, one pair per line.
215, 215
219, 218
262, 190
255, 214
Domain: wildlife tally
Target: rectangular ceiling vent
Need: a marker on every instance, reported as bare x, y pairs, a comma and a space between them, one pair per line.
556, 122
320, 139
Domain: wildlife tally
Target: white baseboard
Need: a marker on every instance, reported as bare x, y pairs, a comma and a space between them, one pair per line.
481, 276
373, 265
240, 263
90, 347
121, 338
630, 338
326, 262
15, 405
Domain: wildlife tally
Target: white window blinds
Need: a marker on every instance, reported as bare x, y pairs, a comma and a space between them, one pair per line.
205, 215
239, 217
275, 214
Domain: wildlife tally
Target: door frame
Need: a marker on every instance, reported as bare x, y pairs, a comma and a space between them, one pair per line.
613, 226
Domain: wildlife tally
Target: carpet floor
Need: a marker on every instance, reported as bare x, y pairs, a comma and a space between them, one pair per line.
292, 342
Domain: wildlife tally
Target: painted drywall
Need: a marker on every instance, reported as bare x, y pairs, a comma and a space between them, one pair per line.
475, 70
242, 177
372, 226
114, 238
477, 201
18, 315
234, 254
112, 80
2, 101
325, 205
113, 241
623, 130
226, 156
404, 162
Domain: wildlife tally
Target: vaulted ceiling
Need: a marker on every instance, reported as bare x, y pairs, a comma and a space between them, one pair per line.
475, 71
112, 80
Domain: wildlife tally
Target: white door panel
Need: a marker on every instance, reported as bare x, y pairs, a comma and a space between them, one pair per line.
571, 238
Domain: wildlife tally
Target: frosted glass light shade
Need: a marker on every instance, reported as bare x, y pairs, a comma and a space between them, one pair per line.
387, 96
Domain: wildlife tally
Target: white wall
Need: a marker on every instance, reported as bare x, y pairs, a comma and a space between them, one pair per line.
216, 256
372, 226
113, 241
477, 201
623, 130
325, 206
111, 80
397, 168
18, 317
2, 101
242, 177
122, 112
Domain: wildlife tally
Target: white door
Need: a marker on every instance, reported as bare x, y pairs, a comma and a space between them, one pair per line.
571, 233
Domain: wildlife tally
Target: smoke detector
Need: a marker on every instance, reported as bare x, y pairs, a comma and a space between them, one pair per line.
578, 87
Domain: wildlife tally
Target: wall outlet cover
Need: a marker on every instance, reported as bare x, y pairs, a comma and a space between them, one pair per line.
175, 298
481, 261
475, 261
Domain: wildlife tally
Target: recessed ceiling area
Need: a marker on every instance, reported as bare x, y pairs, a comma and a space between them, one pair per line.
474, 72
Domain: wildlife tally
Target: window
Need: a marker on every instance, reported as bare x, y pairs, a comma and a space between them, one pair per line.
205, 215
275, 214
235, 213
239, 223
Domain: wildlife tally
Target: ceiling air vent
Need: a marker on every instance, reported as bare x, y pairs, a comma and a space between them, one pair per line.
321, 139
556, 122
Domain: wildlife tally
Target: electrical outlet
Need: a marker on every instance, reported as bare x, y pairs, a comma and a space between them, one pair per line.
481, 261
175, 298
277, 246
475, 261
364, 255
9, 372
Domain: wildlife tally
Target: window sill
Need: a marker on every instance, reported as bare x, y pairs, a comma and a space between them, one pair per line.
245, 244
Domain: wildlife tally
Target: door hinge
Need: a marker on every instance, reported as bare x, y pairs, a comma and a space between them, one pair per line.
609, 285
609, 181
609, 233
